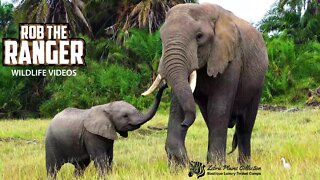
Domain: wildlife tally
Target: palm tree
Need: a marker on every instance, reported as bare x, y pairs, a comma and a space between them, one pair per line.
301, 5
125, 14
54, 11
299, 19
144, 49
93, 17
7, 27
101, 14
31, 11
145, 14
65, 11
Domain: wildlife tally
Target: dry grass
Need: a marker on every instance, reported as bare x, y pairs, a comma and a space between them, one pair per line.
294, 136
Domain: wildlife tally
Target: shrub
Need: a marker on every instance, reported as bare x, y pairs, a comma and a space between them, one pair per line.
98, 83
293, 69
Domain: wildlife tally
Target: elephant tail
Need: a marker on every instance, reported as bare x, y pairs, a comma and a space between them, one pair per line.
234, 142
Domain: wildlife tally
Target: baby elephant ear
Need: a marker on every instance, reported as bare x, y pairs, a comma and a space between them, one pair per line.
225, 43
99, 123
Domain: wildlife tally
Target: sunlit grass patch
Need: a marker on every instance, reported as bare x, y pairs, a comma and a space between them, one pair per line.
293, 135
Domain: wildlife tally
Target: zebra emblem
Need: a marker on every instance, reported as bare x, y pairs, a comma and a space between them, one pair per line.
196, 168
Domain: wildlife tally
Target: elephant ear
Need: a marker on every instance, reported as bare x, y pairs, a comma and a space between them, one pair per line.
225, 43
99, 123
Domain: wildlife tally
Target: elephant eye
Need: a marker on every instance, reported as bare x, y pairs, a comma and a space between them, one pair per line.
199, 36
125, 116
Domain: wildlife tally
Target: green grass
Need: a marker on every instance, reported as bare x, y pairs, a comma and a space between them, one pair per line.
294, 136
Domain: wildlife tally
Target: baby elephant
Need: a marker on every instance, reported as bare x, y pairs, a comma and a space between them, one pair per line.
78, 136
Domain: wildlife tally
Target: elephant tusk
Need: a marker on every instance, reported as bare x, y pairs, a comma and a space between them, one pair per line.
193, 80
154, 85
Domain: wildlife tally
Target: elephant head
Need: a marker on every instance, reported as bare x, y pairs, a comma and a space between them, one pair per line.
119, 116
193, 37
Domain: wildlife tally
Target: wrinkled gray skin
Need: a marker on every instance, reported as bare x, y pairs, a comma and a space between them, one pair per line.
230, 58
78, 136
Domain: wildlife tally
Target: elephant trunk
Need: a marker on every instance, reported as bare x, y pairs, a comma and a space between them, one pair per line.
182, 90
153, 109
175, 68
177, 71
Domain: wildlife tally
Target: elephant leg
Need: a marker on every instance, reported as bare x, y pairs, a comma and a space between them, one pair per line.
103, 164
218, 118
223, 90
53, 164
80, 167
175, 142
102, 161
100, 150
53, 168
109, 159
202, 101
244, 128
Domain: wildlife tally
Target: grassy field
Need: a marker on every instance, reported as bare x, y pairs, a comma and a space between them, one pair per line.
293, 135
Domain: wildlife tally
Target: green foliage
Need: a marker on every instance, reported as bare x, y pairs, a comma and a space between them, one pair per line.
7, 27
125, 15
144, 50
113, 72
146, 47
99, 83
296, 19
6, 14
291, 30
18, 95
280, 52
293, 69
10, 89
101, 14
31, 11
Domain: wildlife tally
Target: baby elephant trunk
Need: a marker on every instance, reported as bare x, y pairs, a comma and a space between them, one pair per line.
153, 109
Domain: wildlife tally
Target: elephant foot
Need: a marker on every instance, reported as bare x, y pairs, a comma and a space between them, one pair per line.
78, 172
51, 176
80, 167
177, 162
177, 158
103, 167
244, 160
52, 170
216, 158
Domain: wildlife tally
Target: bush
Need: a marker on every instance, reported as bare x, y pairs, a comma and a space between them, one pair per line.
11, 89
98, 83
113, 72
293, 69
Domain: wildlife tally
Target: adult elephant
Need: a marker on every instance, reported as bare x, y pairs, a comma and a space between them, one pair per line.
224, 58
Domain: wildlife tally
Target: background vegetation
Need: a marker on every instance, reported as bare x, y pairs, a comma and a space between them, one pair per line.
292, 33
122, 61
